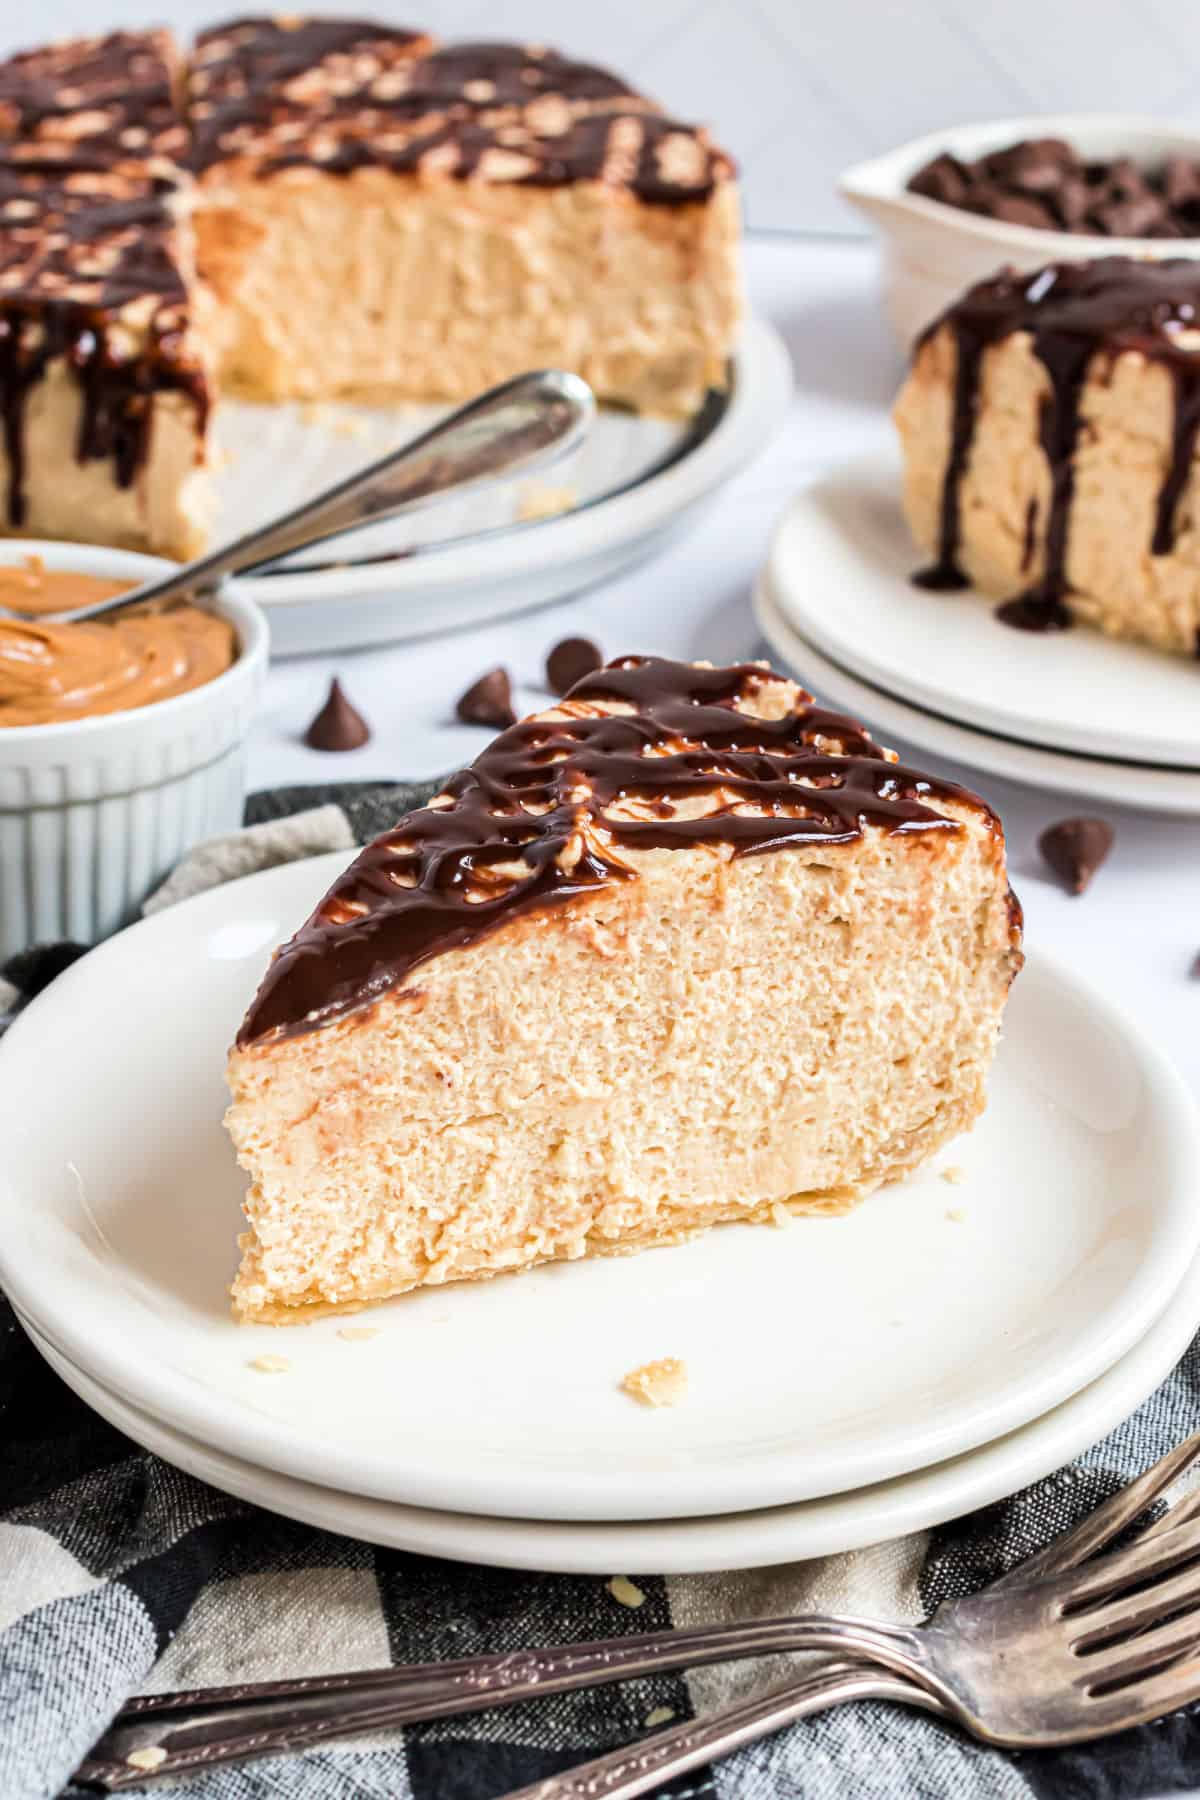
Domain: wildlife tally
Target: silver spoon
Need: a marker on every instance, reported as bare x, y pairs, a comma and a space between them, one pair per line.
523, 423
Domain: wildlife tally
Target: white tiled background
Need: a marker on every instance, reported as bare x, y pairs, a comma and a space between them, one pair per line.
796, 88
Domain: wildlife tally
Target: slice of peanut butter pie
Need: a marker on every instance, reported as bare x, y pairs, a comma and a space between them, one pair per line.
677, 951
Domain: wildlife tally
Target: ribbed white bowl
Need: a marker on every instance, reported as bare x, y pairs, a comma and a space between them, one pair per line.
95, 812
932, 252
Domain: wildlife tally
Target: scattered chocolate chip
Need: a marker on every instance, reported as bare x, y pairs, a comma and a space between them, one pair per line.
570, 661
338, 725
488, 701
1194, 971
1075, 848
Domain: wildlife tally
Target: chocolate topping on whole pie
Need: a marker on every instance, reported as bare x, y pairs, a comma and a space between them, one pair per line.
531, 824
341, 95
1075, 849
1045, 183
91, 104
1073, 312
338, 725
570, 661
328, 61
96, 156
490, 74
488, 701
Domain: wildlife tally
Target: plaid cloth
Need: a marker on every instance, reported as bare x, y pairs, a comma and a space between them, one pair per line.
119, 1574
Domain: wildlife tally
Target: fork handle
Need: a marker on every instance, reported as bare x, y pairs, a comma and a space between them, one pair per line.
637, 1768
207, 1727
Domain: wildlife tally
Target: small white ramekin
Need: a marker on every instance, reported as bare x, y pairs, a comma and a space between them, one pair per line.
95, 812
933, 252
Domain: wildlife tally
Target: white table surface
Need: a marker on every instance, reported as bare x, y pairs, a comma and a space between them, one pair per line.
1136, 931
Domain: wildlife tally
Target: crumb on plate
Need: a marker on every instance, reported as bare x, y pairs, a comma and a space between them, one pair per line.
661, 1383
626, 1591
953, 1174
270, 1365
659, 1715
358, 1334
542, 500
332, 418
955, 1214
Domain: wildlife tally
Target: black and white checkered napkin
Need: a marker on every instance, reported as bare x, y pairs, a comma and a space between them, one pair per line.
119, 1574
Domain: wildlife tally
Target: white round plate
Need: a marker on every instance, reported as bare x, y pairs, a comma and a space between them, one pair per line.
473, 559
745, 1540
1175, 791
840, 566
124, 1256
823, 1356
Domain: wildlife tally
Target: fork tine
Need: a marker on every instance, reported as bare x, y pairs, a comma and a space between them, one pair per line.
1140, 1562
1110, 1519
1144, 1655
1151, 1699
1126, 1613
1185, 1508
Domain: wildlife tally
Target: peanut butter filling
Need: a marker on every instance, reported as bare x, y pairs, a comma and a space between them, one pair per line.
52, 673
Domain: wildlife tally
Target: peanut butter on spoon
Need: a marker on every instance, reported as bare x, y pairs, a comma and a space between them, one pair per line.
53, 673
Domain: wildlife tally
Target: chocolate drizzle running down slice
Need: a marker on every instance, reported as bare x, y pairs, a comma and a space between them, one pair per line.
1073, 312
91, 272
543, 816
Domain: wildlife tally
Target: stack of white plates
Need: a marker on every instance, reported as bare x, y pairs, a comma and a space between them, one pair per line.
850, 1378
1071, 711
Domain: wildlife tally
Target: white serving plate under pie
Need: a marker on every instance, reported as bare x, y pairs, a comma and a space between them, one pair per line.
840, 569
824, 1356
472, 558
745, 1540
1096, 778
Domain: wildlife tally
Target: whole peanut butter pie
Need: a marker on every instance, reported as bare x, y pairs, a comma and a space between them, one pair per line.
323, 209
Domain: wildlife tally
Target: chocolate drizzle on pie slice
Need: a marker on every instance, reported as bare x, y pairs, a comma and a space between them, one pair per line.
1073, 313
543, 816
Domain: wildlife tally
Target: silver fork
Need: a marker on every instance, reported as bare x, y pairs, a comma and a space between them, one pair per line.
1041, 1657
200, 1728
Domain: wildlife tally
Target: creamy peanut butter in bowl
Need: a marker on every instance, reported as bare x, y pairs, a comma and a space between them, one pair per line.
122, 740
51, 672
